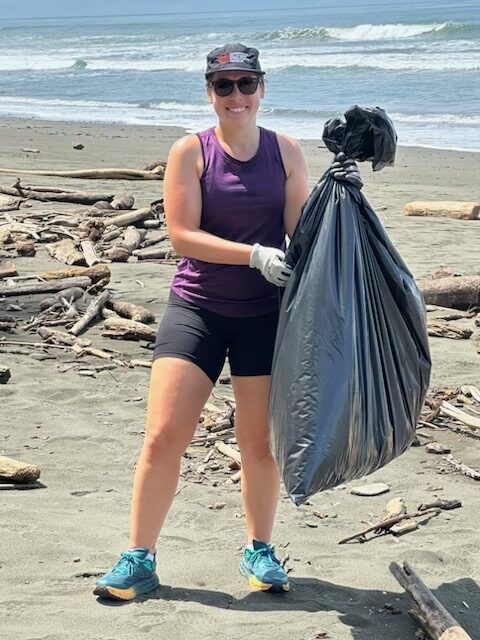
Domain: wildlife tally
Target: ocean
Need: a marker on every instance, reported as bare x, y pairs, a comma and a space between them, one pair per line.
419, 61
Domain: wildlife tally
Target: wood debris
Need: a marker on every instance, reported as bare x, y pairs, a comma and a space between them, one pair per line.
427, 610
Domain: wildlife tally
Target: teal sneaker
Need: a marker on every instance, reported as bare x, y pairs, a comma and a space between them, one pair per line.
132, 575
263, 569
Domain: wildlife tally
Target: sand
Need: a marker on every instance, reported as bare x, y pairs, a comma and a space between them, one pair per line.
85, 434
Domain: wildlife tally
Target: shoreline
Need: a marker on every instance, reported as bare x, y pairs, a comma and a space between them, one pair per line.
184, 130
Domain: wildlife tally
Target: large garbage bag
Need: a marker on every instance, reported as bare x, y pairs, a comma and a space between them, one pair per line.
351, 365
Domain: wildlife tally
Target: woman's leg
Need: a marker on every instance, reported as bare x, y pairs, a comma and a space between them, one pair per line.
260, 477
178, 391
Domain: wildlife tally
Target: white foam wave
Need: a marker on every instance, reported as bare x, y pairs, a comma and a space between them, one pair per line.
361, 32
385, 31
423, 60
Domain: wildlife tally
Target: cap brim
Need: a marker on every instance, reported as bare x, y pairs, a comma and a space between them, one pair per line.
259, 73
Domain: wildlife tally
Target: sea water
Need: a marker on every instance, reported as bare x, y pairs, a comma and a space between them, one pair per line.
420, 61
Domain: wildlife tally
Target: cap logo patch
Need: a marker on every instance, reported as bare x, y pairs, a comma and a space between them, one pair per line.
235, 56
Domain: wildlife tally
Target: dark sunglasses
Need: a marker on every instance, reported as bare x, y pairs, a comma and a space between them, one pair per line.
246, 85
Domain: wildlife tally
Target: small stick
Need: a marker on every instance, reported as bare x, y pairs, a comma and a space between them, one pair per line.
387, 524
463, 468
440, 504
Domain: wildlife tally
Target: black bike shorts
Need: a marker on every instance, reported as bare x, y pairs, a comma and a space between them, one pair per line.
206, 339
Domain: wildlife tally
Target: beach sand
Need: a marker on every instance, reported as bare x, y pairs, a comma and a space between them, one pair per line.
85, 434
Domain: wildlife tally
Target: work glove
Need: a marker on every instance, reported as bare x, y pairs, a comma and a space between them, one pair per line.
271, 263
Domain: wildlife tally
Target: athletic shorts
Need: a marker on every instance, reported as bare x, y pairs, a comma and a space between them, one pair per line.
205, 338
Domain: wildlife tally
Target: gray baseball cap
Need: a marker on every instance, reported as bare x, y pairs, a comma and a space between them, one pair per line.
233, 56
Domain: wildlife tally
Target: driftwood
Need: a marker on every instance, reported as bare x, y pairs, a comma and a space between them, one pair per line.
25, 248
101, 174
128, 329
10, 204
442, 329
123, 201
154, 253
386, 525
131, 311
448, 409
93, 310
126, 219
443, 313
90, 254
118, 254
427, 611
132, 239
445, 505
463, 291
19, 289
17, 471
463, 468
55, 336
71, 294
96, 273
444, 209
5, 374
66, 251
8, 270
231, 453
75, 197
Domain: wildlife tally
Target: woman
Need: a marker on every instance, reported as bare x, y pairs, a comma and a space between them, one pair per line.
230, 193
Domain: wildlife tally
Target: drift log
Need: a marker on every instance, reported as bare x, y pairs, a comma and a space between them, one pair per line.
123, 201
132, 239
17, 471
443, 329
27, 288
90, 254
131, 311
118, 254
126, 219
128, 329
463, 291
427, 611
103, 174
444, 209
93, 310
66, 251
96, 273
8, 270
75, 197
25, 248
154, 253
71, 294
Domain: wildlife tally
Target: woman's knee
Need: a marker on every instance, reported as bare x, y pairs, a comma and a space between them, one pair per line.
254, 448
163, 440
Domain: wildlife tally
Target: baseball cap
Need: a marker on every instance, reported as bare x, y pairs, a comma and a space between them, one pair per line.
233, 56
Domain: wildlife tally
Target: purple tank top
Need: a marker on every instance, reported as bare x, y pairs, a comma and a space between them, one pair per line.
243, 202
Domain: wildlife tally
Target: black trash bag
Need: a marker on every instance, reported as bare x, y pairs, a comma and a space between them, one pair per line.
351, 365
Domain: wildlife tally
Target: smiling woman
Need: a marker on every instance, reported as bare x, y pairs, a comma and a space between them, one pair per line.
232, 193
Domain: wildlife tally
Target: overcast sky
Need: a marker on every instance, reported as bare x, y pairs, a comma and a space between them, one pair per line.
59, 8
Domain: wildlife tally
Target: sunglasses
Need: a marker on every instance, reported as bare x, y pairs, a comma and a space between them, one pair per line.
246, 85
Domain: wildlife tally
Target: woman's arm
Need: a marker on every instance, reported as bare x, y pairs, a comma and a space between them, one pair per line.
183, 209
296, 187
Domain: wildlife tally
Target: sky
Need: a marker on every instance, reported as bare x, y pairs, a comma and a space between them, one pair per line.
59, 8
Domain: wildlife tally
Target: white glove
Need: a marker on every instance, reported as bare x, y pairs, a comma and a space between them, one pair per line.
271, 263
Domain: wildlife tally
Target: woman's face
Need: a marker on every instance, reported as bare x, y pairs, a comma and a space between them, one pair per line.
237, 107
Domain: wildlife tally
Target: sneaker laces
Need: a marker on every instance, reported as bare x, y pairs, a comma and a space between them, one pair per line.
126, 565
265, 554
